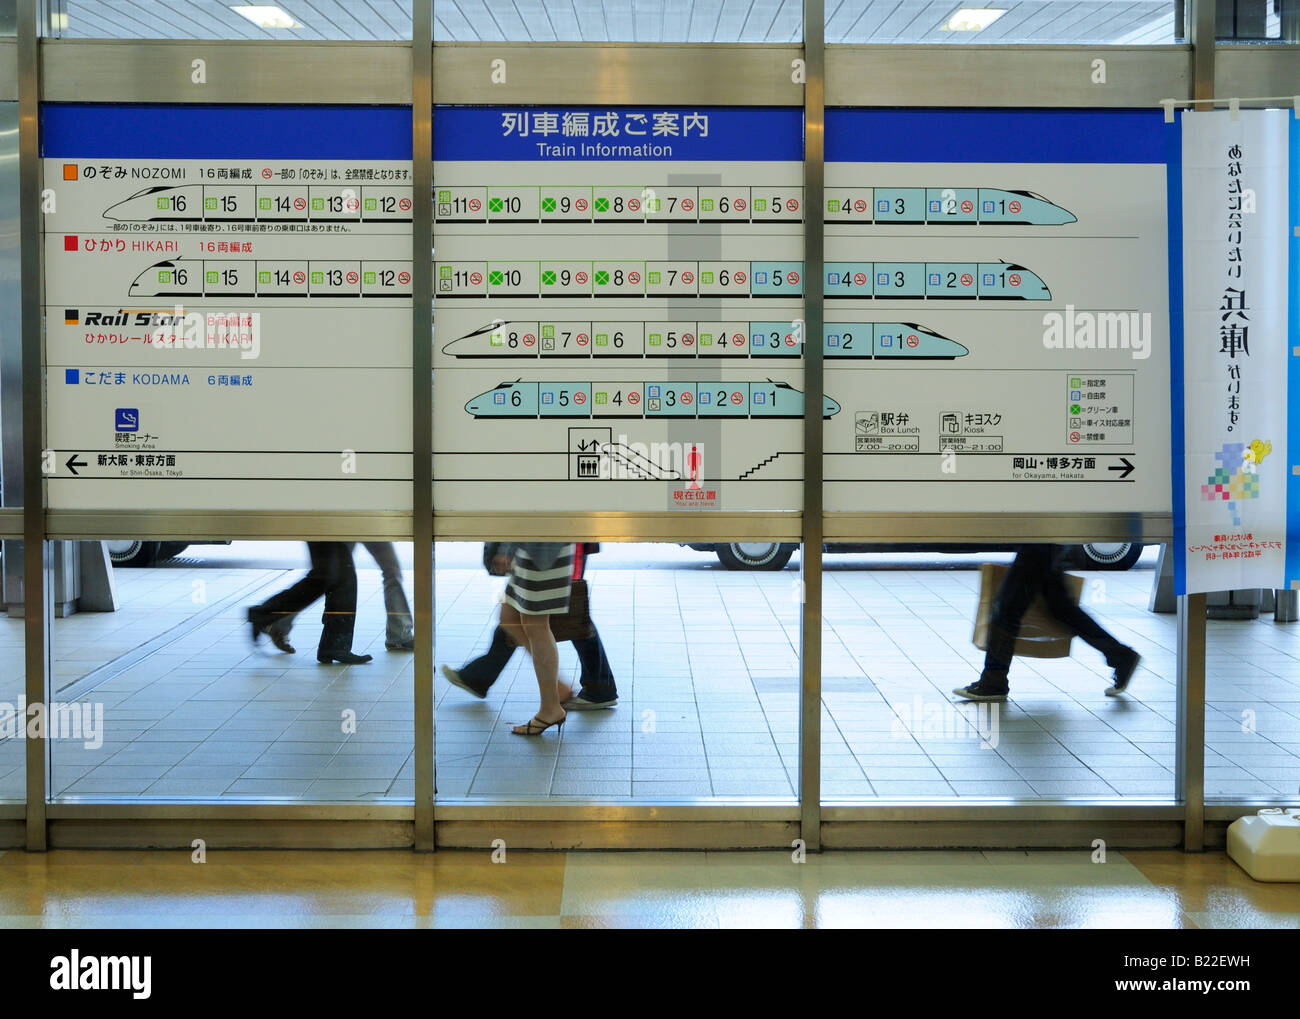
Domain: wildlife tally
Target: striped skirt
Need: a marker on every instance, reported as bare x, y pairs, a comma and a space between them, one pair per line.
537, 592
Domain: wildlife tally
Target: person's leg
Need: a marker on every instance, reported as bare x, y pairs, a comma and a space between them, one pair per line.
275, 615
340, 606
597, 679
400, 630
537, 637
486, 669
1119, 656
1013, 599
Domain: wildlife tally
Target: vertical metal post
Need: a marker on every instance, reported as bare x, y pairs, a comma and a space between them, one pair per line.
1189, 766
1200, 33
422, 407
814, 169
36, 615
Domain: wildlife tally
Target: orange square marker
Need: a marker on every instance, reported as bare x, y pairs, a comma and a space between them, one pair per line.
69, 171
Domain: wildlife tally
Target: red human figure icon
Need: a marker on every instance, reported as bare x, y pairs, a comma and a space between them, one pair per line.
694, 461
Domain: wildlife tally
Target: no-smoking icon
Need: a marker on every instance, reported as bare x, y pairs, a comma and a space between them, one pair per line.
739, 277
476, 278
579, 398
580, 205
300, 204
1014, 206
793, 277
353, 277
403, 277
859, 206
300, 277
737, 397
1014, 279
634, 277
404, 204
633, 397
1075, 437
688, 277
266, 173
912, 340
967, 279
968, 206
581, 277
475, 205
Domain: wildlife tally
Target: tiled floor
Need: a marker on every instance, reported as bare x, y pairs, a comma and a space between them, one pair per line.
707, 665
462, 888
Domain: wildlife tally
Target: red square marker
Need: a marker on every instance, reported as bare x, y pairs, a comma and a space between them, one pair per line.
69, 242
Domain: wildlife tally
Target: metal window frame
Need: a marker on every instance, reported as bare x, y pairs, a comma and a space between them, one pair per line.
744, 74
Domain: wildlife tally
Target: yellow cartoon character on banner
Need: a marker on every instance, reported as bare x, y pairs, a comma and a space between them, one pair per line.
1254, 454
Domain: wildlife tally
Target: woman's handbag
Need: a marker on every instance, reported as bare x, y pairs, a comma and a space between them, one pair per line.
575, 624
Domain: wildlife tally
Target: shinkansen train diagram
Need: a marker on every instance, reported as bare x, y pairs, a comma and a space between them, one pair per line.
593, 400
995, 281
651, 203
342, 278
693, 339
264, 203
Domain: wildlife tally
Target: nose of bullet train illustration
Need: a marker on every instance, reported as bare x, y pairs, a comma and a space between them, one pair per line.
926, 344
168, 279
159, 203
997, 205
478, 341
509, 399
829, 407
1003, 281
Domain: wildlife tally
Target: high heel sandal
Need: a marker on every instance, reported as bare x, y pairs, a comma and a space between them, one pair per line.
535, 726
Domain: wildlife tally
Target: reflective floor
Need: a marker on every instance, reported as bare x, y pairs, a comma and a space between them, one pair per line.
706, 662
1147, 889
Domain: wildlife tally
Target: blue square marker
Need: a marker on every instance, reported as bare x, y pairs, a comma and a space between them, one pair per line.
934, 279
72, 376
882, 279
882, 206
548, 398
987, 206
833, 278
833, 340
760, 277
1075, 394
886, 340
652, 392
706, 398
934, 207
758, 339
760, 397
988, 279
499, 398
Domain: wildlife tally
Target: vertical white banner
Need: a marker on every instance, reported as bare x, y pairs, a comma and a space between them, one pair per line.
1234, 218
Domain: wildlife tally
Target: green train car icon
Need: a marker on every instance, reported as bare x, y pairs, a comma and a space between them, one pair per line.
236, 277
596, 400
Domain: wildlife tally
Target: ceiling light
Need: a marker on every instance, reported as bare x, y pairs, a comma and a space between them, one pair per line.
265, 15
971, 19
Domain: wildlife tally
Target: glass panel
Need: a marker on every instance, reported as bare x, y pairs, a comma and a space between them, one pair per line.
703, 661
339, 20
642, 21
11, 339
12, 670
898, 644
1257, 20
1252, 697
176, 701
1034, 21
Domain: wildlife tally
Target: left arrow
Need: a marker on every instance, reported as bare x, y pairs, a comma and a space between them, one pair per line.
73, 464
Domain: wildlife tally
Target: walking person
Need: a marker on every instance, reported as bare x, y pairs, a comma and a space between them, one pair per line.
399, 634
538, 588
332, 575
1041, 568
597, 689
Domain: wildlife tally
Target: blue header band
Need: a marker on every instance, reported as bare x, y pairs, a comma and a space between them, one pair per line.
145, 131
995, 136
624, 133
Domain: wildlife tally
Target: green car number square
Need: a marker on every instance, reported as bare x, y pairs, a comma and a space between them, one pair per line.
548, 332
602, 339
706, 339
654, 277
706, 204
318, 277
706, 277
370, 205
162, 203
601, 398
210, 277
760, 204
368, 277
209, 203
833, 205
317, 204
1076, 383
164, 277
263, 277
264, 203
444, 196
656, 340
444, 272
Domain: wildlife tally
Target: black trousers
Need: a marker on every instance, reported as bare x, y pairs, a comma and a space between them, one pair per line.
1038, 568
333, 575
597, 678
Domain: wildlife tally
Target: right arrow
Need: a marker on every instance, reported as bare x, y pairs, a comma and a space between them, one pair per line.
73, 464
1127, 468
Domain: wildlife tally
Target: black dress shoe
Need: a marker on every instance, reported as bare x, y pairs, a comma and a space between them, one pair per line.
263, 622
342, 657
